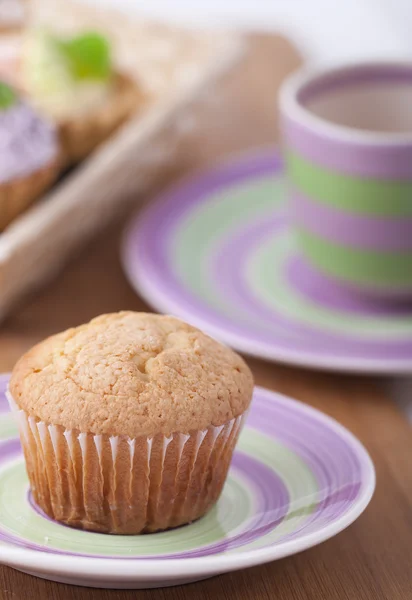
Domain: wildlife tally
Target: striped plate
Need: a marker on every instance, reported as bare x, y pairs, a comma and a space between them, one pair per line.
217, 252
297, 479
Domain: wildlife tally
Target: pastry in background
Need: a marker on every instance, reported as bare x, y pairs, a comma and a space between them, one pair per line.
29, 155
10, 48
73, 82
13, 15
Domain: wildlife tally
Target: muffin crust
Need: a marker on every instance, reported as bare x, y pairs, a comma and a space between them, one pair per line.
132, 374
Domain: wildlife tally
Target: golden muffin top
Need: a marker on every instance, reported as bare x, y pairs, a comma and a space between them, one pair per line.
132, 374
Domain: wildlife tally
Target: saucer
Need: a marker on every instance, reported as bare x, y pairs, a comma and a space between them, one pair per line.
217, 251
297, 478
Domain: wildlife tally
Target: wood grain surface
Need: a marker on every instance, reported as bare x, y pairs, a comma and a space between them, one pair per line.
369, 561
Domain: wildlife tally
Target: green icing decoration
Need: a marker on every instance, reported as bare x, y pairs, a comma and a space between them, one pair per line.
88, 56
7, 96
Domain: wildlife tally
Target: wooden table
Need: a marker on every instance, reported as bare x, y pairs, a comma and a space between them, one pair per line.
369, 561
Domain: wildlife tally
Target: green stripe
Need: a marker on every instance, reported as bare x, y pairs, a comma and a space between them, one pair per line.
194, 242
357, 266
268, 280
8, 426
363, 196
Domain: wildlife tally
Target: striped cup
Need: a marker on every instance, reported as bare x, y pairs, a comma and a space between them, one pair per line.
348, 149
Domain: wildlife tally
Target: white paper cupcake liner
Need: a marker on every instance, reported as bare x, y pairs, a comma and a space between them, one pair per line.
115, 484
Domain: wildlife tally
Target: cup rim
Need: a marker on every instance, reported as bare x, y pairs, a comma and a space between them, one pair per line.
292, 107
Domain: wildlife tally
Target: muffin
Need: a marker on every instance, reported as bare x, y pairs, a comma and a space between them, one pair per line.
72, 81
128, 423
29, 155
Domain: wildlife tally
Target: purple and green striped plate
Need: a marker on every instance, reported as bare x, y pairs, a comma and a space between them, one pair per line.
217, 251
297, 479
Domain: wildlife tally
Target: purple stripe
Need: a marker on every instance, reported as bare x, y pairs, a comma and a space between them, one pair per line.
4, 381
338, 475
255, 319
360, 157
328, 293
330, 458
357, 159
359, 75
272, 506
334, 464
10, 449
349, 229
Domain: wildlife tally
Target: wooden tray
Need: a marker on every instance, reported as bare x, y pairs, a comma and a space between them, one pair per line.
174, 67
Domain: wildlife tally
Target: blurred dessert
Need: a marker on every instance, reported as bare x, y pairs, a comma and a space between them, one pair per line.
10, 48
12, 15
29, 155
73, 82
